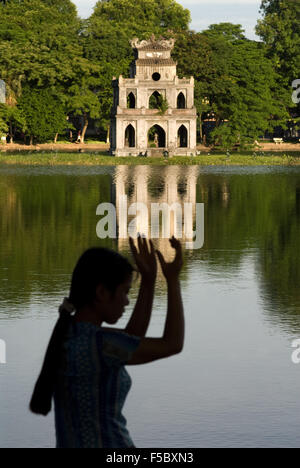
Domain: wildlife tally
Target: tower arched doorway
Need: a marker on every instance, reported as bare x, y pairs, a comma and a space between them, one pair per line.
156, 137
182, 137
130, 137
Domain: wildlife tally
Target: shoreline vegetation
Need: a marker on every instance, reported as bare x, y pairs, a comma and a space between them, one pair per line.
96, 154
99, 158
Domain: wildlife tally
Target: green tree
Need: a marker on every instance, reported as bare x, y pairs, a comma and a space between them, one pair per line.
231, 32
235, 83
38, 41
251, 105
40, 47
3, 123
280, 31
193, 54
43, 112
11, 117
15, 120
82, 97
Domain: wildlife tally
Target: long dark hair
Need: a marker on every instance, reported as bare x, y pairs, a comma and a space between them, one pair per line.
96, 266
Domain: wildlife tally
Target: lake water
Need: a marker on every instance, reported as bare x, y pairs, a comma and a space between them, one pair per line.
235, 384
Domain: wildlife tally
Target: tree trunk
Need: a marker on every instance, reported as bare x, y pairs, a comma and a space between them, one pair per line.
85, 126
55, 138
108, 134
200, 128
11, 136
31, 140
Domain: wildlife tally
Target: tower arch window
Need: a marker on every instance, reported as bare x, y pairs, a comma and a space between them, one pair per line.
130, 137
182, 137
154, 100
181, 101
131, 101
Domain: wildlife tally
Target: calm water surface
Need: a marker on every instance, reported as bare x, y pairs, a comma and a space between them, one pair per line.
235, 384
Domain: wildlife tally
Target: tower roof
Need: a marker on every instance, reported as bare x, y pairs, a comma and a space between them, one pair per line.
154, 46
155, 61
160, 44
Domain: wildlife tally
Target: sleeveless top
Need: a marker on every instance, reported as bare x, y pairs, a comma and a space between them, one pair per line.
91, 388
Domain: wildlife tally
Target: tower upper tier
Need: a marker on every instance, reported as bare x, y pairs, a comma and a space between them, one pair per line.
154, 61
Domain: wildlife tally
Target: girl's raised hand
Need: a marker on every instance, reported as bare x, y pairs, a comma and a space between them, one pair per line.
172, 270
144, 257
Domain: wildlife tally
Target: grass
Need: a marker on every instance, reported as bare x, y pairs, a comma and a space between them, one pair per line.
86, 142
102, 158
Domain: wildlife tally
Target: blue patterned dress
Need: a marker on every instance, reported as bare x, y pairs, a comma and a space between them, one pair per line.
91, 388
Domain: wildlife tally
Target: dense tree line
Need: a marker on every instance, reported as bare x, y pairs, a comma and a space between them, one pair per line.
56, 65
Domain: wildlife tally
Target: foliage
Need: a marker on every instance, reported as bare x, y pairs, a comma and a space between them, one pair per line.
230, 32
3, 122
40, 48
163, 105
280, 31
82, 97
157, 101
231, 85
38, 41
43, 112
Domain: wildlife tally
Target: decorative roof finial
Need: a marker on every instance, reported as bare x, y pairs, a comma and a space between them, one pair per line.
163, 43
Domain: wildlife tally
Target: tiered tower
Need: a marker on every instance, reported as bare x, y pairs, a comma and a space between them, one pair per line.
153, 110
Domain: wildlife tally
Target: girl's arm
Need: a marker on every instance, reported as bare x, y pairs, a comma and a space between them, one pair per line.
140, 318
146, 262
151, 349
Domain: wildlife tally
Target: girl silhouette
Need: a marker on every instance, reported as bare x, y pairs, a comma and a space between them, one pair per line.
83, 369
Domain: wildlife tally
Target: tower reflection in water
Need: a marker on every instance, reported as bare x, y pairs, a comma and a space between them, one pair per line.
138, 193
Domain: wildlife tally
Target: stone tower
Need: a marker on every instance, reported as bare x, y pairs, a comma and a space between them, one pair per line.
153, 110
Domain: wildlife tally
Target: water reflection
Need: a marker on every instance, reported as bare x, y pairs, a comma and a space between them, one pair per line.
254, 215
46, 222
175, 186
